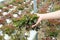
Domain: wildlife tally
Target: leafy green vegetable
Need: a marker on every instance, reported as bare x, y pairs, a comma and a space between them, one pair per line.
27, 19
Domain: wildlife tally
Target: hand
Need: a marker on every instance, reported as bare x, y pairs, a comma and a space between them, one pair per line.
33, 26
39, 20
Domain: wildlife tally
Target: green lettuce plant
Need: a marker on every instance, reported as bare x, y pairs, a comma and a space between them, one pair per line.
27, 19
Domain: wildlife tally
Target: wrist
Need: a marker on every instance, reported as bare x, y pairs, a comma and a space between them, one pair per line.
42, 16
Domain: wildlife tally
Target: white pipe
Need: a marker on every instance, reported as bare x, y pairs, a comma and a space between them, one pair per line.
33, 35
35, 6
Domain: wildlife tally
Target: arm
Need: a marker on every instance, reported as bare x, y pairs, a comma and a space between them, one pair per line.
52, 15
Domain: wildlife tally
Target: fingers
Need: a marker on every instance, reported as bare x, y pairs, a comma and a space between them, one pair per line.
33, 26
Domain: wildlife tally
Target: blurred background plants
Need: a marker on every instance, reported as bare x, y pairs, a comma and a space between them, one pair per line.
17, 29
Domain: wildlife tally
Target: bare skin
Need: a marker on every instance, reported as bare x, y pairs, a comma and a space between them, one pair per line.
52, 15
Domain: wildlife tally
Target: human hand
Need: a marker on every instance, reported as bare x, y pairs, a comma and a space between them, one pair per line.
33, 26
39, 21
